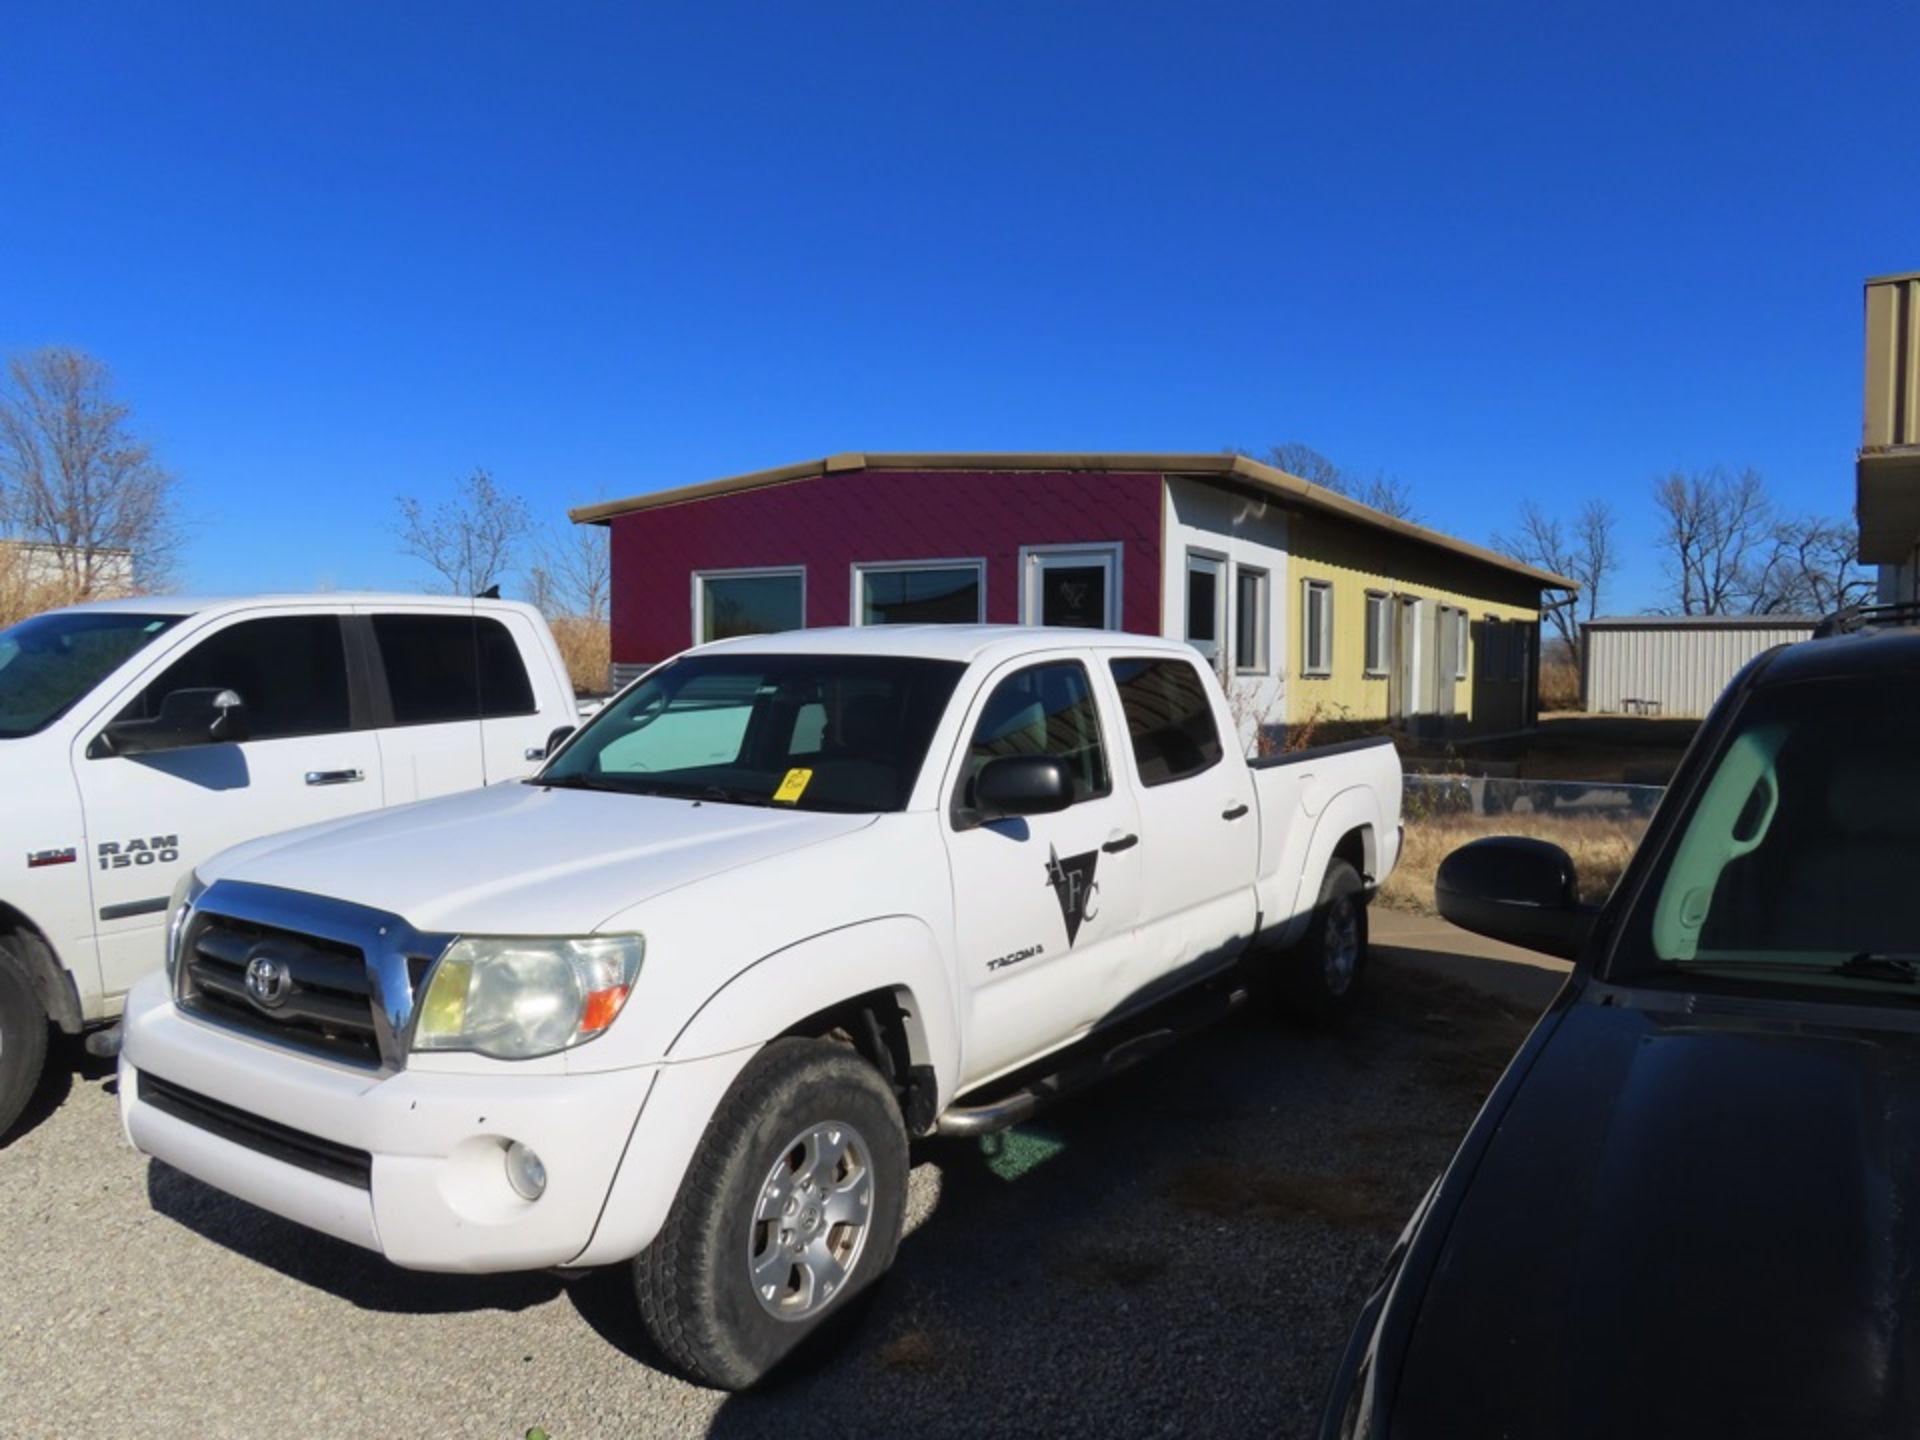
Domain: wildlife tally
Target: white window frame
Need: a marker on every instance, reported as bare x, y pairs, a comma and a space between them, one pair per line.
1307, 665
747, 572
1262, 620
860, 569
1212, 560
1378, 636
1034, 560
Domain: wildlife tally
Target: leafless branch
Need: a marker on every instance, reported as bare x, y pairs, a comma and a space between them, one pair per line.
470, 542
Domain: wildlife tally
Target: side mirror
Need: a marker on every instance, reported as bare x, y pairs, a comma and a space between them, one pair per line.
557, 739
210, 716
1524, 892
1022, 785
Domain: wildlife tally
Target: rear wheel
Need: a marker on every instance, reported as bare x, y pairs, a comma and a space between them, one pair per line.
23, 1039
792, 1206
1320, 977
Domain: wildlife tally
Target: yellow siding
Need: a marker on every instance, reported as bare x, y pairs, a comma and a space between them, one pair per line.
1354, 561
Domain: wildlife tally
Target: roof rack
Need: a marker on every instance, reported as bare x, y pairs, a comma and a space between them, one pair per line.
1861, 617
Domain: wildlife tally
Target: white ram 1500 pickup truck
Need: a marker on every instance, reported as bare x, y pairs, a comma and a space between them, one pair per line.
139, 736
681, 998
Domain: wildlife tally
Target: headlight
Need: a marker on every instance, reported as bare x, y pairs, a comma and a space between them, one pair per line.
186, 892
514, 999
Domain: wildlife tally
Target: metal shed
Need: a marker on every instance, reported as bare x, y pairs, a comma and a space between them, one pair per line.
1674, 664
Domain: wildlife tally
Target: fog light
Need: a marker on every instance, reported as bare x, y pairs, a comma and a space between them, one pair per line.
525, 1172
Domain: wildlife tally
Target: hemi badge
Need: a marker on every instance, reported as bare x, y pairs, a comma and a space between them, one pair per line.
38, 858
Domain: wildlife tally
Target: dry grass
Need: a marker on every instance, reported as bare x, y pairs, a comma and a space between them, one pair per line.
22, 595
586, 647
1559, 684
1600, 848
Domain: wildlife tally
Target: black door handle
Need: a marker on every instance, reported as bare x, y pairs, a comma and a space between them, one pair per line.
1233, 812
1125, 842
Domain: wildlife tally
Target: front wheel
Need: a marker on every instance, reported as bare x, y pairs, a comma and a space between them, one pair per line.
1321, 975
792, 1206
23, 1040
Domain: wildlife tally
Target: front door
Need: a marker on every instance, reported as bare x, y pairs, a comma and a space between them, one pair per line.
1072, 585
150, 817
1044, 907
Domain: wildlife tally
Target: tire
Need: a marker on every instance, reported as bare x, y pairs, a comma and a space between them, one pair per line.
23, 1040
717, 1293
1321, 976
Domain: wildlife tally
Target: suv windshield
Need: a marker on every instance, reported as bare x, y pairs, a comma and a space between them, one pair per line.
1798, 861
806, 732
49, 662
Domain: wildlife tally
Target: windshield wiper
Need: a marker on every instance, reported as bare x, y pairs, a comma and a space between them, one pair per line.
1871, 966
578, 782
728, 795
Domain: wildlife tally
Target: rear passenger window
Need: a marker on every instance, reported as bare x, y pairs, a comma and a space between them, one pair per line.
1168, 718
290, 669
1047, 710
442, 668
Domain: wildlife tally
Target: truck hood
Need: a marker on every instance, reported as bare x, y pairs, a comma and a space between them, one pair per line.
518, 859
1701, 1221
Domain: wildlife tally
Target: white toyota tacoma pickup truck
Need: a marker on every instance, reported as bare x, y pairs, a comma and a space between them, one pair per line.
139, 736
681, 999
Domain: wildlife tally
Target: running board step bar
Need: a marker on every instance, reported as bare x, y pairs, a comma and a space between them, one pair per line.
1010, 1110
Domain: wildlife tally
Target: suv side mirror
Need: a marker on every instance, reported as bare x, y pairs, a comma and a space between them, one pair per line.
209, 716
1524, 892
1022, 785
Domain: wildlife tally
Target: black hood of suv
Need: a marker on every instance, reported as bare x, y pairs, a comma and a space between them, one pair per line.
1700, 1220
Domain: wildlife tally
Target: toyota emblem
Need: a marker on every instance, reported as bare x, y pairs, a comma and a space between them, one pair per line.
269, 980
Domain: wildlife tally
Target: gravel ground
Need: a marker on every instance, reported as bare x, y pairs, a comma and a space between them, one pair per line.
1179, 1252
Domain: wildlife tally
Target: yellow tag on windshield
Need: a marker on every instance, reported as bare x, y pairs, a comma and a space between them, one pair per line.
793, 787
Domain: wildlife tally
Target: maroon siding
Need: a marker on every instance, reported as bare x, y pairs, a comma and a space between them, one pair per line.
831, 523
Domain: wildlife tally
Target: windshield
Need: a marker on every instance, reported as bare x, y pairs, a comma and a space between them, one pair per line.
49, 662
806, 732
1798, 862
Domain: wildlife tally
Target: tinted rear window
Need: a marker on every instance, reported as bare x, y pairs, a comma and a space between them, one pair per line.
443, 668
1169, 719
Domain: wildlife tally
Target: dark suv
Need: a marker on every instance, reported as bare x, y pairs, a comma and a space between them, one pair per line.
1692, 1203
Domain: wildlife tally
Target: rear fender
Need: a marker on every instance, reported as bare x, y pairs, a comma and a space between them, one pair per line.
1356, 809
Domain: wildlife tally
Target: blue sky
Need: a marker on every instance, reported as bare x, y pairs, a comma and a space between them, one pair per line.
338, 253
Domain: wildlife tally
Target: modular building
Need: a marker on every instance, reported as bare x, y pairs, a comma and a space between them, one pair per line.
1674, 665
1316, 610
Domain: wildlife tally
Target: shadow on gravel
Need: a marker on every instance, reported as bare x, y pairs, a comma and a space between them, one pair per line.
68, 1064
342, 1270
1179, 1251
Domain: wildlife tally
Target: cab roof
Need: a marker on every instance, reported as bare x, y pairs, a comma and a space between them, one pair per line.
963, 643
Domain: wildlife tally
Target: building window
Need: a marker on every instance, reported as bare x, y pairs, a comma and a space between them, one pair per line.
1461, 635
1379, 632
1489, 667
1250, 621
1206, 605
1517, 637
1076, 585
1316, 647
934, 592
748, 602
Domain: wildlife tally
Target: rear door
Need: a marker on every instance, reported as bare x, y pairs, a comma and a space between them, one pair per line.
1044, 907
1199, 831
427, 692
310, 756
513, 727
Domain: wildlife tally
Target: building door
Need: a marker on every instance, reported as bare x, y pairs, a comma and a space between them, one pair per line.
1077, 585
1402, 696
1447, 657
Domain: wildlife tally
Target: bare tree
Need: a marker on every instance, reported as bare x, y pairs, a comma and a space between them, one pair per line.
75, 479
573, 575
1716, 529
1584, 552
1812, 568
472, 541
1385, 493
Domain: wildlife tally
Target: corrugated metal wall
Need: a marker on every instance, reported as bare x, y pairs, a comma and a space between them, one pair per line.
1682, 668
